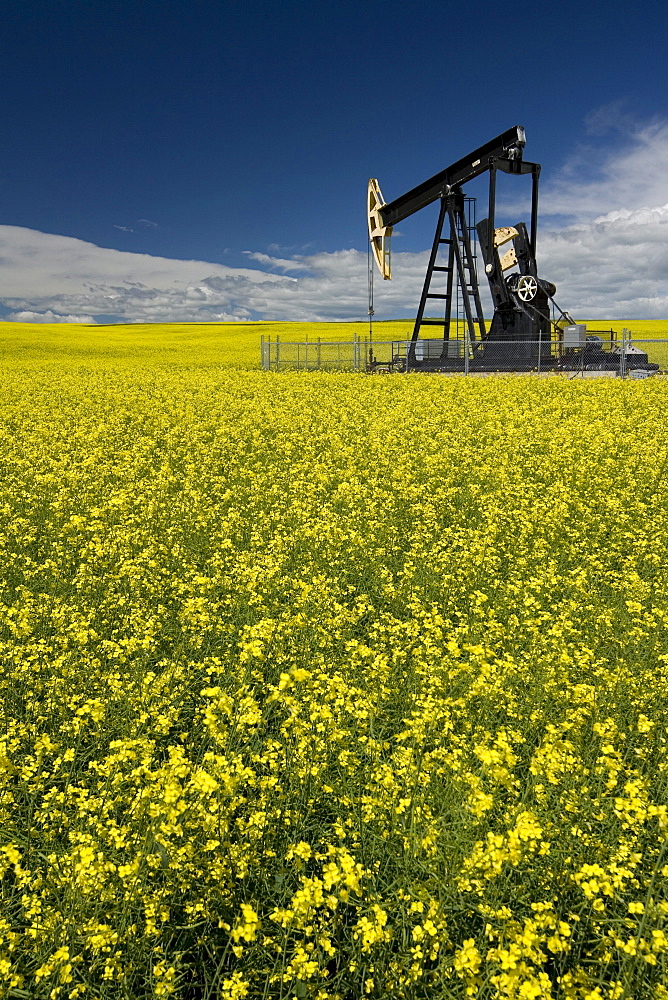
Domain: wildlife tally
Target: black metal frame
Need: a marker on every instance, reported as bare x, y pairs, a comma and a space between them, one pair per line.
513, 318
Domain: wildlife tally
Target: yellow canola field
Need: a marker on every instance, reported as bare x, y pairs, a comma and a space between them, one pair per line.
331, 686
210, 344
165, 345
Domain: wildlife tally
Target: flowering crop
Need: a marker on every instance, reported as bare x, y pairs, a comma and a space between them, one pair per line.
170, 344
208, 344
332, 686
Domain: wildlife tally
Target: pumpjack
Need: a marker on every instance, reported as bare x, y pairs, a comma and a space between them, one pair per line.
520, 336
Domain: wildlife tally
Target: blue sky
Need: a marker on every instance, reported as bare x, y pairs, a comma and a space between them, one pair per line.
241, 136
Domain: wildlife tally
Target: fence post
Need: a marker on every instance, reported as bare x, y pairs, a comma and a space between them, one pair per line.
466, 350
622, 359
540, 346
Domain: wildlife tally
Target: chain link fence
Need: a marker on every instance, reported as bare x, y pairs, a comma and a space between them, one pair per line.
574, 351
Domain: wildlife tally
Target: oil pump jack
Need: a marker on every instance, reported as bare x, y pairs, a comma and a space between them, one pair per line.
519, 335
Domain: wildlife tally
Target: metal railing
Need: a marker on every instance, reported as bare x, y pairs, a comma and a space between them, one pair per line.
599, 352
321, 355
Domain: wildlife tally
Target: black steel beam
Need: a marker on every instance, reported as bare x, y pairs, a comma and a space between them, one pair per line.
505, 151
534, 206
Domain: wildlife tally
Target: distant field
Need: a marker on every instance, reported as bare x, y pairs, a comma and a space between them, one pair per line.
235, 345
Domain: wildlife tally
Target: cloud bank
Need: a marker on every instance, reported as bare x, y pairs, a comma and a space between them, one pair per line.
603, 240
628, 173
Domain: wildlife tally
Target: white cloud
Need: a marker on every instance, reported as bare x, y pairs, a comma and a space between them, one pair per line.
42, 273
281, 263
26, 316
629, 174
614, 266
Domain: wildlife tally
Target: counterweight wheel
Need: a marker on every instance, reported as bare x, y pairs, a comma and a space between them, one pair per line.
526, 288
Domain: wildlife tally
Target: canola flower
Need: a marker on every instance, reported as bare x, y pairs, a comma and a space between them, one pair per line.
332, 686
